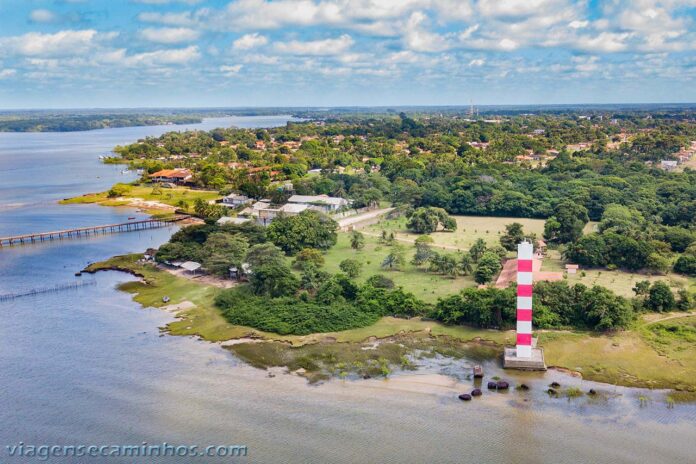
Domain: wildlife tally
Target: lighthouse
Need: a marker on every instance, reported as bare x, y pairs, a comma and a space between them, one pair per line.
525, 251
524, 355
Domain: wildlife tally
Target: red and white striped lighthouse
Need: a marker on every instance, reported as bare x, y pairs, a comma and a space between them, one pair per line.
525, 251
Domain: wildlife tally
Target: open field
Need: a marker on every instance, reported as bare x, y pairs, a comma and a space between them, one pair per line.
618, 281
427, 286
167, 196
469, 229
640, 357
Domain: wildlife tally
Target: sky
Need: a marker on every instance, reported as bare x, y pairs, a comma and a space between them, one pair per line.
198, 53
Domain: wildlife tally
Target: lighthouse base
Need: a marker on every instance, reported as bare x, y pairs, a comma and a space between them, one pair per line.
533, 363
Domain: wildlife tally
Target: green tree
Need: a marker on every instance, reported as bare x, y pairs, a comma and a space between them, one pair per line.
660, 298
566, 223
394, 261
466, 265
273, 280
514, 234
488, 266
263, 254
423, 250
351, 267
223, 251
606, 311
657, 264
309, 255
309, 229
426, 220
477, 249
642, 288
357, 240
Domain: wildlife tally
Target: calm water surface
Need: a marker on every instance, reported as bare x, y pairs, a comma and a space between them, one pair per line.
89, 366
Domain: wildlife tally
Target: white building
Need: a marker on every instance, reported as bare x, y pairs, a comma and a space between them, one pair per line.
322, 203
234, 200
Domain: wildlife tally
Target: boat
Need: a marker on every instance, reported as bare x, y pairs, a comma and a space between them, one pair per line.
478, 371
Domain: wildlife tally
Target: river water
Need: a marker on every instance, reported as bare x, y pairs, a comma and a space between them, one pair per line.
89, 366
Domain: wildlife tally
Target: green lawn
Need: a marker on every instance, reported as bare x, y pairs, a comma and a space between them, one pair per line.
426, 286
469, 229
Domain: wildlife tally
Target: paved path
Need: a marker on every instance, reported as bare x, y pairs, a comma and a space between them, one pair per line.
359, 218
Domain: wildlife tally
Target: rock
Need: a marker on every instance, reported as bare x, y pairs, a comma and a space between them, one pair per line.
476, 392
492, 385
592, 391
552, 391
555, 385
524, 386
367, 376
465, 397
502, 385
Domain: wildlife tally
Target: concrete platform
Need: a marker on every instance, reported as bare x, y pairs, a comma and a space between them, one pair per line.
535, 363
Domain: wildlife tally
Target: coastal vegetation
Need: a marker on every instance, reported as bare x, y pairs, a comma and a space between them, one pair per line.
463, 193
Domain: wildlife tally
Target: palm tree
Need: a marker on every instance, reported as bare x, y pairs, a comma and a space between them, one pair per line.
357, 240
466, 265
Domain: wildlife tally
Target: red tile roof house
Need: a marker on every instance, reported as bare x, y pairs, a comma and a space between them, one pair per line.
175, 176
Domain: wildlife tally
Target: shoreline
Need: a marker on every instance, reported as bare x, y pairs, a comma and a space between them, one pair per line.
199, 318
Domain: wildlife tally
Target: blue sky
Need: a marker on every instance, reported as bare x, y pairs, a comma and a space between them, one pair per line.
134, 53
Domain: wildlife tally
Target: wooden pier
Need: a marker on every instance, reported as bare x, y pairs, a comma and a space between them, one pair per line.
55, 288
82, 232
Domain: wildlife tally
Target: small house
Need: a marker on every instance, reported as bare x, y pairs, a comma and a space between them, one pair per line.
571, 268
234, 200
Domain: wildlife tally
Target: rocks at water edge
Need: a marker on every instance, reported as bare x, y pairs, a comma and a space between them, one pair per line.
476, 392
492, 385
555, 385
523, 386
592, 391
502, 385
465, 397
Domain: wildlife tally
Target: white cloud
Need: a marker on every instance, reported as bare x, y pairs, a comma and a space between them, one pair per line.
169, 35
63, 43
9, 72
316, 47
231, 70
185, 18
514, 8
477, 62
42, 16
172, 56
419, 39
255, 58
249, 41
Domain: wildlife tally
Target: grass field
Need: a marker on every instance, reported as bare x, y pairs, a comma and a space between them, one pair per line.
168, 196
427, 286
652, 355
618, 281
469, 229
